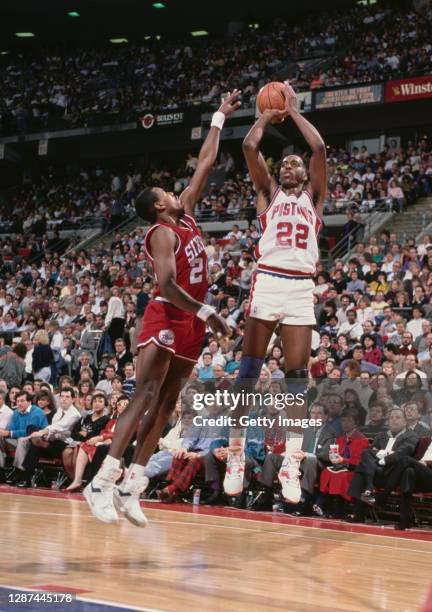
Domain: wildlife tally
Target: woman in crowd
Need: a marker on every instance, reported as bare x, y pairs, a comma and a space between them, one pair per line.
86, 428
335, 479
43, 357
87, 449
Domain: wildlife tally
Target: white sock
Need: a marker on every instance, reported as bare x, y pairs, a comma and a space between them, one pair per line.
134, 472
109, 464
237, 438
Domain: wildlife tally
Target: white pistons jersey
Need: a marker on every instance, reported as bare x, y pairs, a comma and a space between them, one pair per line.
289, 242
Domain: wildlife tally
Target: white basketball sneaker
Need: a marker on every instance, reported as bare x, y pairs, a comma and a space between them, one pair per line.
289, 477
99, 496
127, 500
235, 468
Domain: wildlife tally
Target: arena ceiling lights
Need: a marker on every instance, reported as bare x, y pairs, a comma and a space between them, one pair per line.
118, 41
24, 34
73, 14
200, 33
158, 5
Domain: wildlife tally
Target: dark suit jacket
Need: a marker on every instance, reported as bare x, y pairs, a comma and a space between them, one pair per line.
421, 430
405, 445
326, 437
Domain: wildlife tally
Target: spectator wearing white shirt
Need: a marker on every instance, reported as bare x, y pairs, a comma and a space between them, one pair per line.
115, 317
415, 325
351, 328
105, 385
50, 441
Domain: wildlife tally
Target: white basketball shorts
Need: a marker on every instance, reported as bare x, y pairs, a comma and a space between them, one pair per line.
287, 300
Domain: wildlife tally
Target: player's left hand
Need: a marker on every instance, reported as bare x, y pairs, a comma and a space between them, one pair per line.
291, 101
218, 324
230, 102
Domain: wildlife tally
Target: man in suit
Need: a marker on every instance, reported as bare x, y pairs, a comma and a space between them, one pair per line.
378, 461
410, 475
314, 455
413, 416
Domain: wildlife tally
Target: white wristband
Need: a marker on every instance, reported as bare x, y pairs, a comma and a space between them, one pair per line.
218, 120
205, 312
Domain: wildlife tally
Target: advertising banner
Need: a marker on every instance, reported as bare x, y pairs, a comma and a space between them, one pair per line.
349, 96
408, 89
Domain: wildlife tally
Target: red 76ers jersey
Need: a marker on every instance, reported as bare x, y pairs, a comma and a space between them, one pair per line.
190, 256
289, 241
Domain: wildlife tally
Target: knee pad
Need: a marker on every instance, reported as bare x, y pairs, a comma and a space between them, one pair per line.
250, 367
249, 371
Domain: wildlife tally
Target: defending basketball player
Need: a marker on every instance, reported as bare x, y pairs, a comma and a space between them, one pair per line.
282, 288
173, 331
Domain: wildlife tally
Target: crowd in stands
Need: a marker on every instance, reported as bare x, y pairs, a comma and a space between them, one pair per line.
83, 87
68, 329
358, 181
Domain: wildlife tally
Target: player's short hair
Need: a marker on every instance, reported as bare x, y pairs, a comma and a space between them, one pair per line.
144, 205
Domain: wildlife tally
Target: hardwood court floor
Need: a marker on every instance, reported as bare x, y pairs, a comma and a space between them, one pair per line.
194, 561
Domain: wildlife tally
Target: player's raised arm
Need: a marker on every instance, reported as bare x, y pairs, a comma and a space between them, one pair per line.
208, 153
163, 243
318, 163
264, 183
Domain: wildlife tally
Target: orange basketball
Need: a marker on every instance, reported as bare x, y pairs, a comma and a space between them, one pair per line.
271, 96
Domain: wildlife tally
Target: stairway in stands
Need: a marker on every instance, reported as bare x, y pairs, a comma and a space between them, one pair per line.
105, 240
413, 221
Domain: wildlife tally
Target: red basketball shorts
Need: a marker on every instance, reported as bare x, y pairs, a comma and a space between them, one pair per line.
172, 329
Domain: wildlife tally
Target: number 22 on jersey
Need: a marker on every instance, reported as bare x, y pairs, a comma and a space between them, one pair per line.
287, 235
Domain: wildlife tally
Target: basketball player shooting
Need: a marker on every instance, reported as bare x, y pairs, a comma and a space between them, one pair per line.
173, 331
282, 288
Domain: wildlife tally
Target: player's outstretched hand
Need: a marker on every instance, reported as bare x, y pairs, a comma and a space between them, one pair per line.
230, 102
290, 99
218, 324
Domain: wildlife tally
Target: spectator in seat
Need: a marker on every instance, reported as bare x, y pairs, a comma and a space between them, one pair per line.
85, 361
205, 372
25, 419
336, 478
377, 462
188, 461
395, 192
161, 461
95, 449
351, 328
275, 372
43, 357
415, 325
333, 402
413, 418
89, 426
410, 475
410, 365
51, 440
352, 401
371, 353
313, 457
122, 354
377, 420
116, 317
129, 382
105, 385
407, 347
12, 365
